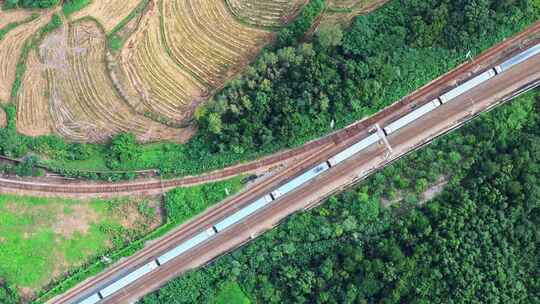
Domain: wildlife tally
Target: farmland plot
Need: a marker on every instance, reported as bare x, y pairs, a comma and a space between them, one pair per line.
343, 12
10, 50
208, 40
267, 13
33, 115
182, 51
107, 13
10, 16
85, 105
160, 85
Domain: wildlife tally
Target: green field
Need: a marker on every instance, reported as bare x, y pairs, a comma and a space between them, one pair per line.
231, 293
180, 205
41, 238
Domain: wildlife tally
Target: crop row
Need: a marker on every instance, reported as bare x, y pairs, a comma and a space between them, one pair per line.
267, 13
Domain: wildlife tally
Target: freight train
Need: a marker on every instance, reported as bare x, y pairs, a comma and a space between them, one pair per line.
305, 177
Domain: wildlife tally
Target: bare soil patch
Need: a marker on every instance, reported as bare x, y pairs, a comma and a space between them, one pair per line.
107, 12
7, 17
3, 118
78, 219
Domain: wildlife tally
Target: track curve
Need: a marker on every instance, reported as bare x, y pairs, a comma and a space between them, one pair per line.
338, 138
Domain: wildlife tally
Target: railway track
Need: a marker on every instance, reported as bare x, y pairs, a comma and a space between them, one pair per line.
337, 138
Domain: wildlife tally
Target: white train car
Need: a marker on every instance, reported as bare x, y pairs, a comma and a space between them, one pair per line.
466, 86
412, 116
519, 58
93, 299
185, 246
128, 279
300, 180
242, 213
350, 151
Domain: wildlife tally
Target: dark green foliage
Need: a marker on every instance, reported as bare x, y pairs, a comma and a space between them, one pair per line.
477, 242
8, 294
123, 148
115, 43
71, 6
295, 93
28, 167
294, 32
30, 3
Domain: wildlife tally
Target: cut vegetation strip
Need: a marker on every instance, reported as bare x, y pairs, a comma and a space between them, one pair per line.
109, 14
265, 13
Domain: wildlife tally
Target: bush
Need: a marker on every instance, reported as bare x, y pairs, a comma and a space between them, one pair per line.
123, 149
71, 6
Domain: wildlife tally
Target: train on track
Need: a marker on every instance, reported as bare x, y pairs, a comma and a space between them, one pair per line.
305, 177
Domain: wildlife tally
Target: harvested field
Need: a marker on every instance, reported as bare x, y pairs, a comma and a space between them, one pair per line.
84, 103
7, 17
208, 40
266, 13
107, 13
10, 49
343, 12
182, 52
33, 115
179, 53
160, 86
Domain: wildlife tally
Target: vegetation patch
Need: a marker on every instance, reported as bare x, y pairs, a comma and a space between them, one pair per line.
231, 293
72, 6
40, 239
184, 203
10, 26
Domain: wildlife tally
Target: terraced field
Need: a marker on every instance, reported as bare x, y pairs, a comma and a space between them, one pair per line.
174, 55
342, 12
10, 50
7, 17
3, 119
33, 115
183, 51
107, 13
85, 104
266, 13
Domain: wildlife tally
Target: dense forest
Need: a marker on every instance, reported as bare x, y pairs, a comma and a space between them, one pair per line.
476, 242
293, 93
